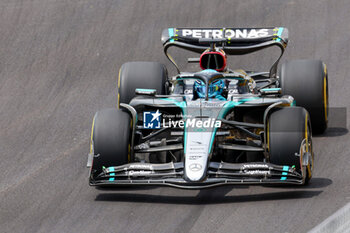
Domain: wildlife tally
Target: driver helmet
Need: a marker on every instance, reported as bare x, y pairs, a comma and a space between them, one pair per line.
216, 88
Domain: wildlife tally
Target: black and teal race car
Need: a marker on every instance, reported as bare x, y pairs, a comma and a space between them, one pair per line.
217, 126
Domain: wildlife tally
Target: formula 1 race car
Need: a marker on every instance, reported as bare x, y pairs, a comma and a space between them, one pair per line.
213, 127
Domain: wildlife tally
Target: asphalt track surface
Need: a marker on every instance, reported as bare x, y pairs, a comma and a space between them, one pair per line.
58, 65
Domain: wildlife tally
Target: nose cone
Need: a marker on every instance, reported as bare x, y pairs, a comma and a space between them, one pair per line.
195, 171
196, 155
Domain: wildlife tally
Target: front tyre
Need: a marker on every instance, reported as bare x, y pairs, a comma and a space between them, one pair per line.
110, 139
289, 141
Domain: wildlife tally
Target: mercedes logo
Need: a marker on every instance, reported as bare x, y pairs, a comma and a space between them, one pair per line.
195, 167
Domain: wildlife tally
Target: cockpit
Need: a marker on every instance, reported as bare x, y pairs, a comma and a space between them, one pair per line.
220, 89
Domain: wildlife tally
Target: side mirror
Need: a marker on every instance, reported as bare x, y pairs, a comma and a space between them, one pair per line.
140, 91
270, 91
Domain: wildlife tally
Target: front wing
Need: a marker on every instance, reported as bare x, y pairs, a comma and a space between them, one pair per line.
218, 173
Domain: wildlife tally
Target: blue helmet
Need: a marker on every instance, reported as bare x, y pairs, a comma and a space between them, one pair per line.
216, 88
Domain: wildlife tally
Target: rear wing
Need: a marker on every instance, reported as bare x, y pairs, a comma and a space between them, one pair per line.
234, 41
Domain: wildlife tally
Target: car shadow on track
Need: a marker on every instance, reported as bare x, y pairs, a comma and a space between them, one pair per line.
315, 183
333, 132
125, 188
206, 197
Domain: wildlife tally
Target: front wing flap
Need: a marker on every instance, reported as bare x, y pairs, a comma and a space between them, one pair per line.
218, 173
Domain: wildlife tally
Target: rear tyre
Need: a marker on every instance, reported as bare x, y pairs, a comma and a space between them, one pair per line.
307, 82
110, 139
146, 75
288, 134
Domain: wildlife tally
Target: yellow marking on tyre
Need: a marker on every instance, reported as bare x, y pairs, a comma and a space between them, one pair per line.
312, 161
118, 103
307, 145
325, 96
309, 170
306, 135
92, 134
129, 153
